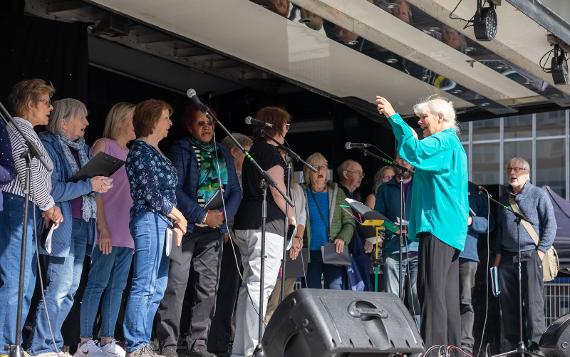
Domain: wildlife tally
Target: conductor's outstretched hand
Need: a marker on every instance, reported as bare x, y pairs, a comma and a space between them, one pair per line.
384, 106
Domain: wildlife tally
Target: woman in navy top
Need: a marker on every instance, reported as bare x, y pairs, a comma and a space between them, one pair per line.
7, 169
153, 180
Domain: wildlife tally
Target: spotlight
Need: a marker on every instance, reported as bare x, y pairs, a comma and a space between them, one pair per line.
485, 22
559, 66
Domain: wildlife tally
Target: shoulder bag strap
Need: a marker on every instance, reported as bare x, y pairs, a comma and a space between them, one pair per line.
527, 226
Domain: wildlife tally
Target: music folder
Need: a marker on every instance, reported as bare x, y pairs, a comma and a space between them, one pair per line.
100, 165
369, 217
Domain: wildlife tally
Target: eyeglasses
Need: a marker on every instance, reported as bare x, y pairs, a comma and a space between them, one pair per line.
322, 167
516, 169
387, 177
46, 101
205, 123
359, 173
288, 126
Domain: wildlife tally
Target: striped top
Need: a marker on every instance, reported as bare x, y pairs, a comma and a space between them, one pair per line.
41, 176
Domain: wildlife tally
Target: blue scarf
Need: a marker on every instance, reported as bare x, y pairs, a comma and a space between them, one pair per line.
89, 207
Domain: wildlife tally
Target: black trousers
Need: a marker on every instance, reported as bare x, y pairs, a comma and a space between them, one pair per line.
534, 324
201, 252
223, 324
438, 290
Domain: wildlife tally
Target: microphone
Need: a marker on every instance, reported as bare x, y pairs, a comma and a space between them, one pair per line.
481, 189
191, 93
252, 121
348, 145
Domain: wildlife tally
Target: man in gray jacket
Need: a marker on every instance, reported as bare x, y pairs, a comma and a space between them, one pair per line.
533, 203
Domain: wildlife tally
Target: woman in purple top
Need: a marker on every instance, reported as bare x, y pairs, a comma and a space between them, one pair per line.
111, 260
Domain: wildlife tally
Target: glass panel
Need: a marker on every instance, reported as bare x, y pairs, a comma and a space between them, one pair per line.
518, 127
550, 161
463, 130
486, 129
485, 164
551, 123
520, 149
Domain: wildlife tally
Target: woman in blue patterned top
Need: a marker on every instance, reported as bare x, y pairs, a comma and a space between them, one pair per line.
153, 180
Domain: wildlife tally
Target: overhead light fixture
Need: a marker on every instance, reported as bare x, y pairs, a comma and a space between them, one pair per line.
485, 21
559, 66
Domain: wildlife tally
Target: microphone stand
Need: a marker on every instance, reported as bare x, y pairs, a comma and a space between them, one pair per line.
266, 181
521, 348
297, 158
31, 151
365, 153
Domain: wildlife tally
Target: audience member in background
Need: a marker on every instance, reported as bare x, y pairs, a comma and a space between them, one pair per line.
388, 203
468, 261
534, 203
236, 153
248, 228
383, 175
111, 259
311, 20
453, 38
295, 247
223, 324
326, 222
205, 169
153, 181
30, 104
402, 11
7, 168
350, 175
76, 198
280, 7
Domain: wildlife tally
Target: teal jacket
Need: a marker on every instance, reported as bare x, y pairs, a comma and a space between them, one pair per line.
440, 204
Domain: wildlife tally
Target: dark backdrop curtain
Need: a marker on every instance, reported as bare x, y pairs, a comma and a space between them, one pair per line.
50, 50
39, 48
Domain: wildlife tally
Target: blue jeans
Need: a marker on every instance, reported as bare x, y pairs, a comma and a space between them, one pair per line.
150, 276
108, 273
11, 226
63, 276
391, 270
332, 274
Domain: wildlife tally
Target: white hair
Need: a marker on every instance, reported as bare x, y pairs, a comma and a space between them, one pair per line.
437, 106
63, 111
519, 160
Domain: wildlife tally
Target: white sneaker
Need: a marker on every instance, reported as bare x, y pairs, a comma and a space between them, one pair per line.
113, 350
89, 349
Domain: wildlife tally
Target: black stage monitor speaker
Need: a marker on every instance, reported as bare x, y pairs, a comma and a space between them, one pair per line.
556, 340
336, 323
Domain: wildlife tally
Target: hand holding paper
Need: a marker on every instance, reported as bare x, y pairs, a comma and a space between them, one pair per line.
177, 232
339, 245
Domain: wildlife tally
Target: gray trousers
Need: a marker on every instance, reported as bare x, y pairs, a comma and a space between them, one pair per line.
201, 252
467, 271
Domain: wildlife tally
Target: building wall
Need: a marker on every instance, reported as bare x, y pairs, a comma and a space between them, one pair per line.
543, 139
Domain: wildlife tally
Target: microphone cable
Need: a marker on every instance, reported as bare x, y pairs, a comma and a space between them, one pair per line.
232, 239
486, 274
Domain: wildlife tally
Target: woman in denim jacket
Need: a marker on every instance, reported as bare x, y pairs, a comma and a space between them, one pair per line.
67, 149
